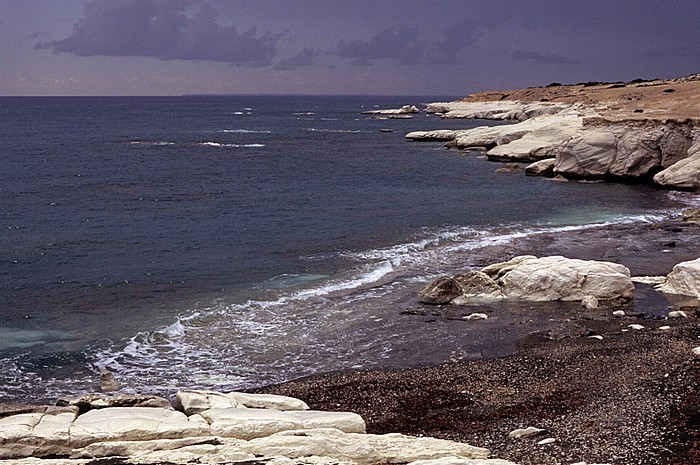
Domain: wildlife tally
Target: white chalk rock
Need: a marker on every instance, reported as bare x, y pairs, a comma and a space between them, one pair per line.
560, 278
677, 314
696, 351
477, 316
133, 424
546, 441
684, 174
524, 432
619, 313
664, 328
268, 401
363, 449
636, 327
589, 301
436, 135
684, 279
249, 423
347, 422
596, 336
192, 402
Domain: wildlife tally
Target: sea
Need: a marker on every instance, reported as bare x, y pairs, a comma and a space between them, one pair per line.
228, 242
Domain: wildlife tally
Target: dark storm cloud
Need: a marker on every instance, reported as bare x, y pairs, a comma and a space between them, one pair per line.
457, 37
160, 29
540, 58
404, 44
303, 58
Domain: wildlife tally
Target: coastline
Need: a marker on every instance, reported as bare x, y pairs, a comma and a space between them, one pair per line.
624, 396
630, 397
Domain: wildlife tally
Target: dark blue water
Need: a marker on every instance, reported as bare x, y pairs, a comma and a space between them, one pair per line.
224, 241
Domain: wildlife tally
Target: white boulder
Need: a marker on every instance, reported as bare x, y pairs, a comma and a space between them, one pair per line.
684, 174
684, 279
560, 278
133, 424
524, 432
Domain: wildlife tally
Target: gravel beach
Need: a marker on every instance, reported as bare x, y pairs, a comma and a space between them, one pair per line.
626, 396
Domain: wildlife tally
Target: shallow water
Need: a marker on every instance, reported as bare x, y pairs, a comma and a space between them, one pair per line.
234, 241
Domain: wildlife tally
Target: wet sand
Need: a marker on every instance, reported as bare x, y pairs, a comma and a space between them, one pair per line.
632, 397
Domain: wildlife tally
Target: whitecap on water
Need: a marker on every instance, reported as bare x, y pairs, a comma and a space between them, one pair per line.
219, 144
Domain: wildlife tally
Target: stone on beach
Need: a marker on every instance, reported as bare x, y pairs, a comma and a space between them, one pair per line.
195, 401
524, 432
440, 291
684, 279
530, 278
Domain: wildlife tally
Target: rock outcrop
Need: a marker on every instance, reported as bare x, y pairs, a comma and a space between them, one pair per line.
592, 133
538, 279
249, 427
684, 279
404, 110
625, 149
684, 174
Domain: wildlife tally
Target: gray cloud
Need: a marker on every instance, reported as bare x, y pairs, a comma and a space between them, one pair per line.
457, 37
303, 58
160, 29
402, 44
405, 45
540, 58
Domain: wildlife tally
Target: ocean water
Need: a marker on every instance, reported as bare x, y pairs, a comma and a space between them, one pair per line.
225, 242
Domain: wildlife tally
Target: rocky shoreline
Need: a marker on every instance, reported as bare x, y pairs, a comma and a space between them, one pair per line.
606, 389
629, 395
617, 382
638, 131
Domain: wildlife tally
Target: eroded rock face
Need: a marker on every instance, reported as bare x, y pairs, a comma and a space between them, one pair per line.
629, 149
684, 174
684, 279
541, 168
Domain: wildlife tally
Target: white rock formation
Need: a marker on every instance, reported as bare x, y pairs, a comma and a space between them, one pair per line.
404, 110
191, 402
133, 424
544, 140
632, 149
560, 278
543, 167
684, 279
498, 110
535, 279
684, 174
194, 401
269, 401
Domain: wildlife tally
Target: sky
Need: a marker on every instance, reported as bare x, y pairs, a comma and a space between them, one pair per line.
374, 47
